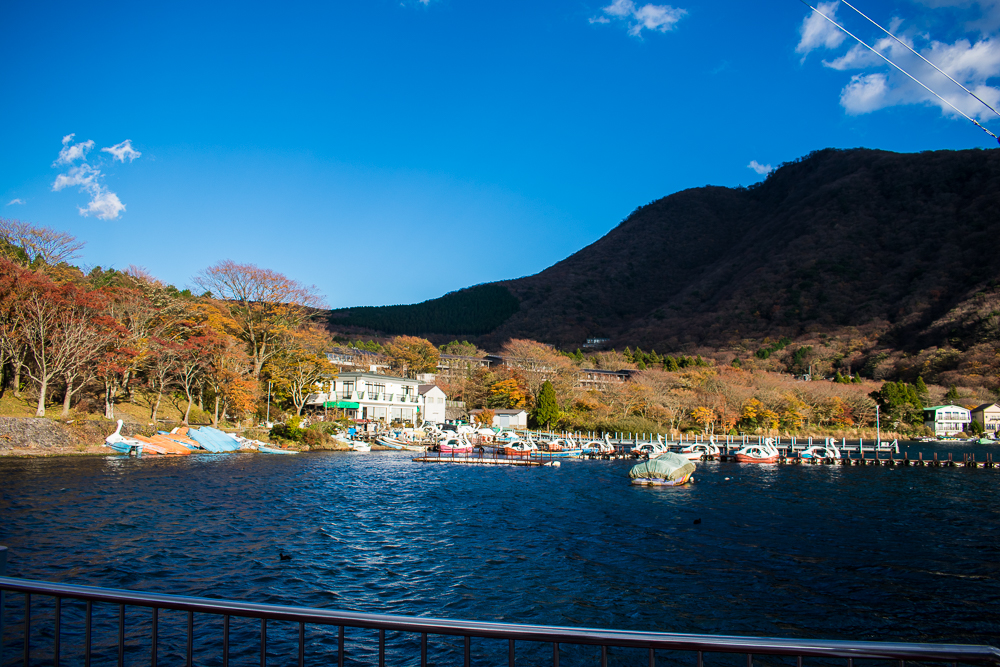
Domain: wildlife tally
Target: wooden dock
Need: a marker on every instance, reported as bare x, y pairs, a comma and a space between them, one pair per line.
483, 461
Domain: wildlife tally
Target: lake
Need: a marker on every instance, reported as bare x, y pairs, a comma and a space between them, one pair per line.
794, 551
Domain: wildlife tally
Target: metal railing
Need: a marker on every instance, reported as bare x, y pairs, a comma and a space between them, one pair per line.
651, 641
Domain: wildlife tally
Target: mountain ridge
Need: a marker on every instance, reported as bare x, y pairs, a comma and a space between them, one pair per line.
841, 239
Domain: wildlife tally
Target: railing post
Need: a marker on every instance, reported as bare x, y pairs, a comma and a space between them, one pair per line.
340, 647
190, 642
121, 635
86, 633
749, 659
510, 653
468, 651
423, 649
302, 644
225, 640
652, 657
381, 647
604, 656
27, 628
55, 634
701, 659
263, 642
555, 654
156, 615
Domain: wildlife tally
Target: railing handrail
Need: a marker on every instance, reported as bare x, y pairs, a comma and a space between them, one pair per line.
525, 632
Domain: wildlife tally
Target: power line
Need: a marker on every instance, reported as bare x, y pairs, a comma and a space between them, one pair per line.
915, 79
985, 103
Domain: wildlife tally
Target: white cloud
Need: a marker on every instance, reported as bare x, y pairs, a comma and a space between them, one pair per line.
970, 63
122, 151
760, 168
84, 175
15, 201
71, 152
104, 203
661, 18
817, 32
877, 85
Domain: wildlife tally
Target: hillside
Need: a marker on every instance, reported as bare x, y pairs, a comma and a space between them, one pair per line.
900, 245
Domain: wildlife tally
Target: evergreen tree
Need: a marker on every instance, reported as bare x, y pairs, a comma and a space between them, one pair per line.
641, 365
670, 364
736, 363
952, 394
920, 386
546, 407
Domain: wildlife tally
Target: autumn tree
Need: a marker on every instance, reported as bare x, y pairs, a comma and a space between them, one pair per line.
536, 363
194, 360
411, 355
264, 304
299, 368
28, 245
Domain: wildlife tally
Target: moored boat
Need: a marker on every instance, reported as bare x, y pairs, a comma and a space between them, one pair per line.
123, 444
759, 453
700, 451
668, 469
455, 444
820, 453
392, 443
267, 449
162, 445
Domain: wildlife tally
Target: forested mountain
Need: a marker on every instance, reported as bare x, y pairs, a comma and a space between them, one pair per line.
901, 244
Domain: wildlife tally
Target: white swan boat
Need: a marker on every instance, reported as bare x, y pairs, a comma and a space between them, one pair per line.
700, 450
122, 444
764, 452
820, 453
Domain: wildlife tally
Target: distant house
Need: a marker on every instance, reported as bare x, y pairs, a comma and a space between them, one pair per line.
599, 378
988, 416
947, 419
506, 418
432, 403
349, 358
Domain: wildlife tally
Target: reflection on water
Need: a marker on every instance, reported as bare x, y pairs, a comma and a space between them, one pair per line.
810, 551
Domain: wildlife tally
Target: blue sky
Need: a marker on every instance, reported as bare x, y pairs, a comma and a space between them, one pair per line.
389, 152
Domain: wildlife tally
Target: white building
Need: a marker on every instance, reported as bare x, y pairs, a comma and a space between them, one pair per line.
947, 419
988, 415
507, 418
372, 396
432, 403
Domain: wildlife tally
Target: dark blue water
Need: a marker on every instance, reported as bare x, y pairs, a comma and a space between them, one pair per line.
811, 551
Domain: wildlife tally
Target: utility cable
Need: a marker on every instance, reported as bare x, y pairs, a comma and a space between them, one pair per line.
915, 79
921, 57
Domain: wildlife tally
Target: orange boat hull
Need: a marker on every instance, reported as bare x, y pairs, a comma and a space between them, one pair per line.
743, 458
162, 445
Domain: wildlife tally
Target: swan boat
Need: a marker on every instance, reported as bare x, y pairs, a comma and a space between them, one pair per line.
820, 453
455, 444
759, 453
123, 444
700, 451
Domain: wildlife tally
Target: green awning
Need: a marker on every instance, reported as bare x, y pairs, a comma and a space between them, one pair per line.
350, 405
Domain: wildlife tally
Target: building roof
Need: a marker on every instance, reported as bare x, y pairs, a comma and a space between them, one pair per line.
424, 388
986, 406
499, 411
947, 405
369, 374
